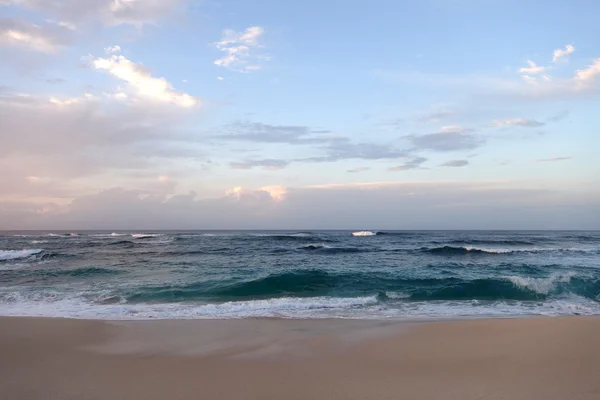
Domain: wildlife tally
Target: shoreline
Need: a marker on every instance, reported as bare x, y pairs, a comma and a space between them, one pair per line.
268, 358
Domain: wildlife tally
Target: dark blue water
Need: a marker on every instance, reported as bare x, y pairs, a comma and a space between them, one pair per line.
400, 275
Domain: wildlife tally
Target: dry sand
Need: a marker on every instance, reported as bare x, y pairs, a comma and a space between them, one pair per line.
529, 359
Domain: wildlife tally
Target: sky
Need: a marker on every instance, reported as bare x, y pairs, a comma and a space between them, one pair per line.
270, 114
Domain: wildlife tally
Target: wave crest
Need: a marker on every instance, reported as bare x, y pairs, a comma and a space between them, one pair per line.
541, 285
6, 255
364, 233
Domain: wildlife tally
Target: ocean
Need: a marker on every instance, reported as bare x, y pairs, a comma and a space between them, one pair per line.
403, 275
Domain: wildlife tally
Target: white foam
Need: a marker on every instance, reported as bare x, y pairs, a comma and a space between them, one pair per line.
363, 233
533, 250
397, 295
86, 305
541, 285
78, 305
17, 254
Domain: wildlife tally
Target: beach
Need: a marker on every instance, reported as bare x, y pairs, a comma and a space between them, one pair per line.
524, 358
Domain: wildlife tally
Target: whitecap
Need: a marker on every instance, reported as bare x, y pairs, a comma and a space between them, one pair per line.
18, 254
363, 233
541, 285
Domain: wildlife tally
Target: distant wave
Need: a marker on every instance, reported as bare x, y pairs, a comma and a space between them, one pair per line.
145, 235
324, 249
6, 255
84, 272
492, 242
364, 233
128, 243
313, 247
451, 250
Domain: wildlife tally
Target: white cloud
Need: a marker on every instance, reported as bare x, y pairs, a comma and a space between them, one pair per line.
526, 123
533, 68
561, 53
277, 192
588, 74
220, 78
112, 49
238, 48
141, 82
45, 39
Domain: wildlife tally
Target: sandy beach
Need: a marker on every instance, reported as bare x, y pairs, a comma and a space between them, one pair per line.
538, 358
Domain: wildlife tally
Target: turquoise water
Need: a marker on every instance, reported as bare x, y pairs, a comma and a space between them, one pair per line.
390, 275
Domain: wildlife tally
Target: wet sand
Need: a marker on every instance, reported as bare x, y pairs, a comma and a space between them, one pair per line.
529, 359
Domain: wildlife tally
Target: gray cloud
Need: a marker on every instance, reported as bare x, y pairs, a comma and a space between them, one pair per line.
268, 164
560, 116
455, 163
436, 117
54, 81
412, 164
552, 159
44, 38
365, 151
386, 205
257, 132
109, 12
524, 123
392, 125
446, 141
358, 169
76, 137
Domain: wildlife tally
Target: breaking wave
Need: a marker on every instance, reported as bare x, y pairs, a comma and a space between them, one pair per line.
6, 255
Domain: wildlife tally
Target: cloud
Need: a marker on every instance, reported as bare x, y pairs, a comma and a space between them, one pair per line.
267, 164
560, 116
532, 68
358, 169
69, 138
381, 205
536, 84
436, 117
446, 141
344, 150
455, 163
589, 74
112, 49
415, 163
109, 12
525, 123
257, 132
552, 159
66, 25
238, 48
141, 83
456, 129
22, 34
54, 81
559, 54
